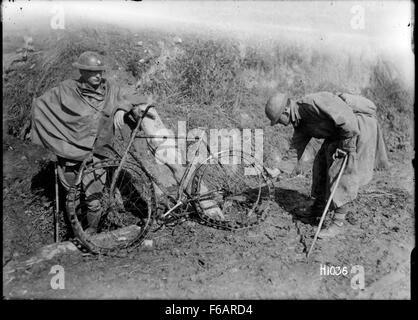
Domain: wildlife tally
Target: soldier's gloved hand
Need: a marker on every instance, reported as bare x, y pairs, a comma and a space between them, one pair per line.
345, 146
139, 112
118, 119
148, 115
339, 153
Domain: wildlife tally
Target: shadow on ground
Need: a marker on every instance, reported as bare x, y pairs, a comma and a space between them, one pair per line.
293, 202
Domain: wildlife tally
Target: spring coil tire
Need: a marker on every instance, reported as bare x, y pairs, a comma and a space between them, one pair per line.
85, 239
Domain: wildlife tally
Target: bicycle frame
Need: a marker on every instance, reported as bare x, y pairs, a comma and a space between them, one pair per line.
125, 155
183, 197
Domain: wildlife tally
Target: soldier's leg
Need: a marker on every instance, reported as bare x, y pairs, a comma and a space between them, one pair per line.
318, 190
67, 175
340, 211
337, 224
93, 185
319, 179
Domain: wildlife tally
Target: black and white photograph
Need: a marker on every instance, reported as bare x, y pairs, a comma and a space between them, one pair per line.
208, 150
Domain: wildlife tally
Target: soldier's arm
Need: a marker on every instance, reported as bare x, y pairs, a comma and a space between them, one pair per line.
123, 105
347, 129
135, 104
343, 118
299, 142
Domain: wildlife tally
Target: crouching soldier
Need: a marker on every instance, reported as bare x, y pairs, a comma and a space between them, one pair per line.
348, 125
74, 120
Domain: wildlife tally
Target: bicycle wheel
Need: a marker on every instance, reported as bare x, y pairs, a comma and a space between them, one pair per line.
231, 182
122, 217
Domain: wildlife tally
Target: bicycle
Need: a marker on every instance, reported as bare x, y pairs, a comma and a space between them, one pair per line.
129, 201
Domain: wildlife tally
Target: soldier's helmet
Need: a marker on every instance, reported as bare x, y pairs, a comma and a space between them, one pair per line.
91, 61
275, 106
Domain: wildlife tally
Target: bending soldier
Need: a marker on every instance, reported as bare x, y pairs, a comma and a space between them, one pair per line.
349, 126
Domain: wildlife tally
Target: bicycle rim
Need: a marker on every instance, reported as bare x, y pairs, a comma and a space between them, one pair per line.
234, 183
125, 216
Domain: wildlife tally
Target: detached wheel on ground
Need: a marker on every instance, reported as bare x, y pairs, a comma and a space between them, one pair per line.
124, 215
233, 182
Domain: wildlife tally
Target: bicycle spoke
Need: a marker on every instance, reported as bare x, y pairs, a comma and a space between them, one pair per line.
225, 186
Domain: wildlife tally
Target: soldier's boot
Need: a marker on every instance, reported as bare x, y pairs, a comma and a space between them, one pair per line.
337, 225
314, 212
94, 214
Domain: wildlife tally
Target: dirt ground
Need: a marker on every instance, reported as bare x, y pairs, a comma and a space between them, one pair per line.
192, 261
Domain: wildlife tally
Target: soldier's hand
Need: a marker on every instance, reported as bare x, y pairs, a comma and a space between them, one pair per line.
139, 112
118, 119
339, 153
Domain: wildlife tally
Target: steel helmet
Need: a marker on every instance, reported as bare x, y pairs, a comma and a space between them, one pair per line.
275, 107
89, 60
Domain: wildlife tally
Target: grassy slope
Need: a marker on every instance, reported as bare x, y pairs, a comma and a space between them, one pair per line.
216, 82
